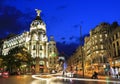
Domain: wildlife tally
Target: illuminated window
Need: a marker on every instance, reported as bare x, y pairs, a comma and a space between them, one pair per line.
97, 52
100, 36
106, 35
95, 36
41, 55
101, 46
41, 62
101, 40
96, 47
95, 41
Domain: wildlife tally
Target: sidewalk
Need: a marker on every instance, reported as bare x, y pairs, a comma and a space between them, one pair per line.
100, 77
109, 78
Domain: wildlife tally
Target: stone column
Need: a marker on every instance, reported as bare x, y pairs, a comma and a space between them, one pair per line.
45, 67
37, 67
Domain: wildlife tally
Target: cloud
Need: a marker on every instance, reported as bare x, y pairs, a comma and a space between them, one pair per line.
9, 20
76, 26
63, 38
2, 2
71, 38
61, 7
68, 49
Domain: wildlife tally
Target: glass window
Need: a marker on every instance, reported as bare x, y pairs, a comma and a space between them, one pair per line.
101, 46
95, 41
40, 47
41, 55
95, 36
50, 50
34, 47
96, 47
117, 44
100, 35
106, 35
116, 35
101, 40
34, 55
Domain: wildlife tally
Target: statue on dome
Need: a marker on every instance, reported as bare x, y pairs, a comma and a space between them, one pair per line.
38, 12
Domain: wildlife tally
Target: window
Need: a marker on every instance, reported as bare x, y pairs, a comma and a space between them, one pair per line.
34, 47
100, 36
95, 36
113, 45
95, 41
40, 47
116, 35
34, 55
101, 40
41, 55
50, 50
101, 46
96, 47
106, 35
117, 44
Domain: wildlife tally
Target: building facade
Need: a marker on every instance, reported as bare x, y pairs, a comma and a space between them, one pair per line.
101, 49
115, 47
96, 49
36, 41
76, 60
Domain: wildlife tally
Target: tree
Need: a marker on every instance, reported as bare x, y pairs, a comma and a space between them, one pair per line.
16, 57
1, 59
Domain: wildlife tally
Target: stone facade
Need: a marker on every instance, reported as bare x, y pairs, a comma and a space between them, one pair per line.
101, 48
36, 41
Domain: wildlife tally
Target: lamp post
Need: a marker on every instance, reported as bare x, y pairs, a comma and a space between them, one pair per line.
82, 51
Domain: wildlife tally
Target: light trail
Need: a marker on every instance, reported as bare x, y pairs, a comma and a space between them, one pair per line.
79, 79
41, 77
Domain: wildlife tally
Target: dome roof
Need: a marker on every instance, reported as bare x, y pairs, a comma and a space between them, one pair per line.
38, 22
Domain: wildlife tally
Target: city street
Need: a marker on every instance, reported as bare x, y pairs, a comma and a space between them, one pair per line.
28, 79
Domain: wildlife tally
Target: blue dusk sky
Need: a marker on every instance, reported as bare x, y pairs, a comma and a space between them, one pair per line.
63, 18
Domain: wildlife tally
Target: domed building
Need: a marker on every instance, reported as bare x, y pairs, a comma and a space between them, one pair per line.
36, 41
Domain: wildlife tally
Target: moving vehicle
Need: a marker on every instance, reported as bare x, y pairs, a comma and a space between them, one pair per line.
5, 74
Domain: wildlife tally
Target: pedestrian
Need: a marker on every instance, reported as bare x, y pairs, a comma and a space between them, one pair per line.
112, 73
95, 75
116, 72
63, 73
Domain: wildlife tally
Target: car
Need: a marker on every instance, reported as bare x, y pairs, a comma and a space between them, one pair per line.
5, 74
69, 74
0, 74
